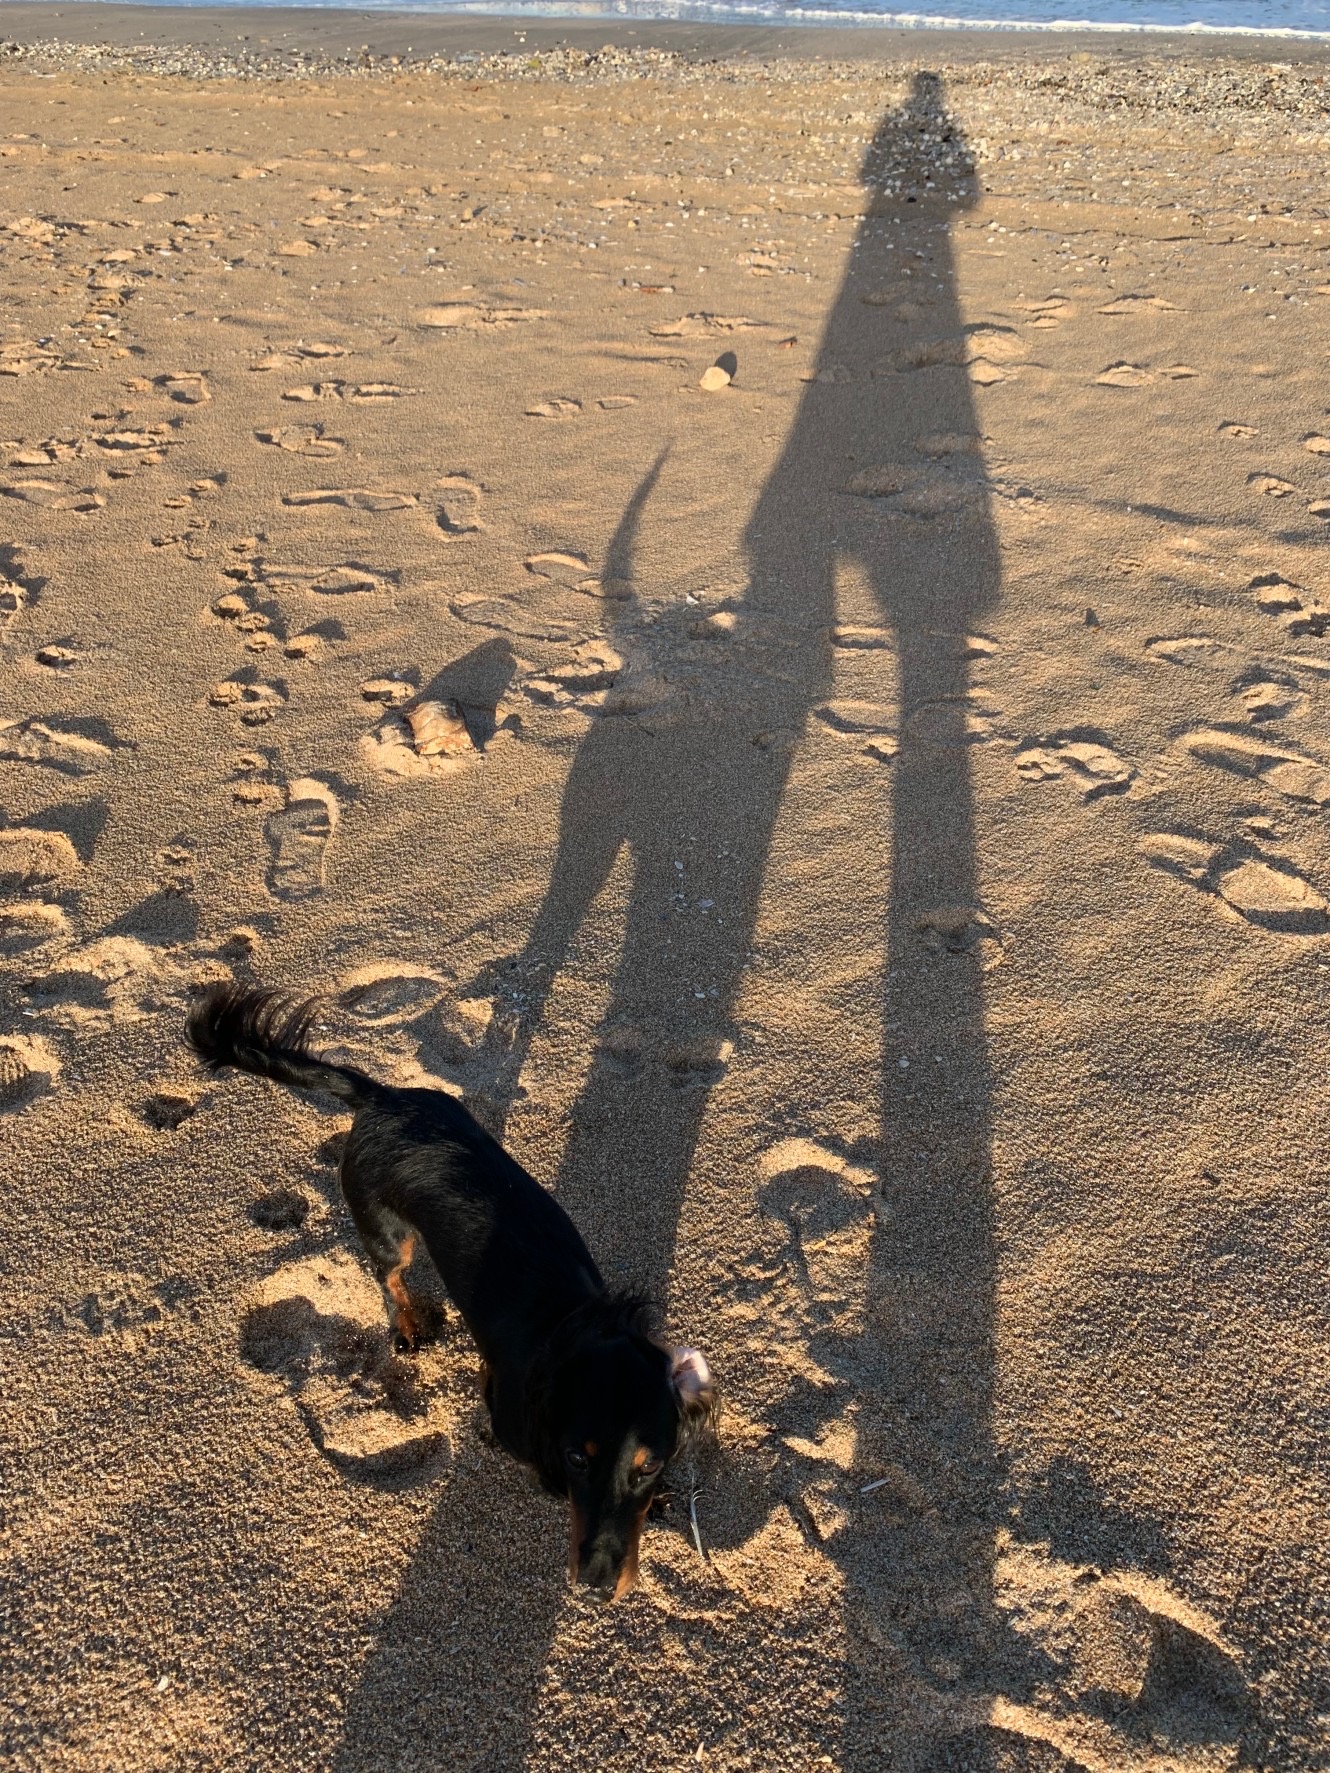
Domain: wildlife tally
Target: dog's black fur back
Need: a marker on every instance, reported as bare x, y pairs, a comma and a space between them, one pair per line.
417, 1160
576, 1385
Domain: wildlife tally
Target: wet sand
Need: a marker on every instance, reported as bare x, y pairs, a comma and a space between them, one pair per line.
877, 874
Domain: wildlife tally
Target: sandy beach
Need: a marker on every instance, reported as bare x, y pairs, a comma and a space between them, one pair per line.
757, 606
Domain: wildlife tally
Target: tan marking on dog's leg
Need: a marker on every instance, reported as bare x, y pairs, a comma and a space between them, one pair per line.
405, 1324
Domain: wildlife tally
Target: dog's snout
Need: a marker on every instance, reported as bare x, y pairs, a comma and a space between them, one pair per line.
600, 1571
608, 1571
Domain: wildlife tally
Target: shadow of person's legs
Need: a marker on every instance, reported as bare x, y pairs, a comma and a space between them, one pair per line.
921, 1623
453, 1677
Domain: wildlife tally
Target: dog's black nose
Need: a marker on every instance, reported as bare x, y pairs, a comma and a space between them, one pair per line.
599, 1574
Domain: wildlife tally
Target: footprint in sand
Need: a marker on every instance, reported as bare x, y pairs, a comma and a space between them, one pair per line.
311, 641
353, 498
387, 993
458, 505
57, 746
1271, 895
151, 438
15, 596
852, 720
32, 860
555, 409
983, 346
389, 692
1087, 760
347, 579
1048, 313
1271, 486
25, 357
507, 616
571, 570
871, 726
124, 1308
694, 326
318, 1330
1135, 375
853, 639
971, 719
913, 490
455, 1042
1148, 1667
963, 930
825, 1202
1268, 694
255, 703
46, 453
114, 980
252, 623
281, 1209
1239, 431
1289, 772
584, 682
1294, 607
188, 388
1316, 444
28, 1069
470, 316
299, 836
53, 495
25, 927
1188, 649
1138, 304
301, 440
167, 1109
622, 1051
700, 1062
253, 788
353, 391
290, 356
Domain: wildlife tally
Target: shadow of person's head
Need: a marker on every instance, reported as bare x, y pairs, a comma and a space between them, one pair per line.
919, 152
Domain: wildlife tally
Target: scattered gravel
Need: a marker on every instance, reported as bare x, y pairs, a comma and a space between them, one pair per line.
1163, 86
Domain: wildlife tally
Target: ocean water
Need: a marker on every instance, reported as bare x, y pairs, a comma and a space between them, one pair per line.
1272, 18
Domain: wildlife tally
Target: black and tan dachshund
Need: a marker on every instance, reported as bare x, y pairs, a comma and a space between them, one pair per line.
574, 1384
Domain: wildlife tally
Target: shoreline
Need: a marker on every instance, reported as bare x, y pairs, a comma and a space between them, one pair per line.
416, 37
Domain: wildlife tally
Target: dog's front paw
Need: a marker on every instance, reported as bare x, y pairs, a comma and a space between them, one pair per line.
483, 1425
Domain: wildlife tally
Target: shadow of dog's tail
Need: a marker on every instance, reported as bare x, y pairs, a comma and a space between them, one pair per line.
267, 1033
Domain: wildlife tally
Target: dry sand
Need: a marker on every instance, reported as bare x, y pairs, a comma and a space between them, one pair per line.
872, 859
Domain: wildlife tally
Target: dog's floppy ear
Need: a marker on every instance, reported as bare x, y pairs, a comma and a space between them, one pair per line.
694, 1388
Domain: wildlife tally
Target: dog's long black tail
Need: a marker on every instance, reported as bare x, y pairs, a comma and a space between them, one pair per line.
267, 1033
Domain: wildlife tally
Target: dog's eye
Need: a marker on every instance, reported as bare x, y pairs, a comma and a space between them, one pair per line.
576, 1461
651, 1468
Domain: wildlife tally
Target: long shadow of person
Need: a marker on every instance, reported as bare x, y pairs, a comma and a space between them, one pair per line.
880, 472
881, 476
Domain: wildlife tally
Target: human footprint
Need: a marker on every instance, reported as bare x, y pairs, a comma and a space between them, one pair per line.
299, 834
